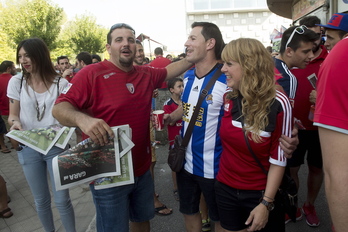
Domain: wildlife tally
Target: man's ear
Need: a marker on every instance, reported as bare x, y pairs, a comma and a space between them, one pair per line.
107, 46
211, 43
288, 52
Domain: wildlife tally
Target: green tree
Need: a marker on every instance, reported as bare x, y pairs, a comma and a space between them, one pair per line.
6, 52
31, 18
83, 34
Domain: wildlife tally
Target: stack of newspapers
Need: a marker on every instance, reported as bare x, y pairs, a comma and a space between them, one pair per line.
106, 166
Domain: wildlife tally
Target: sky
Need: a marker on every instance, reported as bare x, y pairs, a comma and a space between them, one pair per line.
163, 20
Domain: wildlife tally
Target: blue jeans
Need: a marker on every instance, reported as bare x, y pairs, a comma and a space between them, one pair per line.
35, 166
116, 206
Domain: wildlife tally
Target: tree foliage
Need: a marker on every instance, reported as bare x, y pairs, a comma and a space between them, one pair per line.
85, 35
31, 18
6, 52
22, 19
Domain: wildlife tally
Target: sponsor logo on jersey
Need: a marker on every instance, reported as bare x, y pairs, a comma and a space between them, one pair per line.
195, 89
106, 76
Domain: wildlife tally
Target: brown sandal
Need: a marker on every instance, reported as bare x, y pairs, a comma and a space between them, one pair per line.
2, 213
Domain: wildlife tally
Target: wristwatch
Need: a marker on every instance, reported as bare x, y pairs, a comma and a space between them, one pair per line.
269, 205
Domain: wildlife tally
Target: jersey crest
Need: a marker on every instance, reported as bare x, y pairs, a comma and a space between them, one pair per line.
130, 88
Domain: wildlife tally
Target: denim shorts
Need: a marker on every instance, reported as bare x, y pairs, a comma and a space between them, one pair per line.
116, 206
235, 206
190, 188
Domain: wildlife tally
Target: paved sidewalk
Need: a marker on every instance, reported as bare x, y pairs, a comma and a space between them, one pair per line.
25, 218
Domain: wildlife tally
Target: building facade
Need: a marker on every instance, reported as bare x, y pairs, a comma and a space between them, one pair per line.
236, 18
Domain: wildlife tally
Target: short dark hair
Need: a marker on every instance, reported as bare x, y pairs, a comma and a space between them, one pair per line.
310, 21
5, 65
183, 55
211, 31
172, 81
62, 58
158, 51
295, 43
85, 57
115, 26
95, 56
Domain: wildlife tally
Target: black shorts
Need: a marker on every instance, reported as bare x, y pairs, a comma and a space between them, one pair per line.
235, 205
308, 143
3, 129
190, 188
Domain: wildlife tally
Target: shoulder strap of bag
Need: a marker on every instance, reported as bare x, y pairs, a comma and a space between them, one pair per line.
20, 88
58, 85
247, 140
203, 94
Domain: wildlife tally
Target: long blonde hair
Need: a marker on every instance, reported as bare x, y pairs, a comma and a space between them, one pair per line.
257, 85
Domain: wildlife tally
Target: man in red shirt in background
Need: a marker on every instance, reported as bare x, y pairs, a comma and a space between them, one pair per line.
160, 62
7, 70
65, 68
308, 136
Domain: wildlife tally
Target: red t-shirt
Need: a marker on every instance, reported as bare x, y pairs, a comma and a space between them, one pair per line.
104, 91
238, 168
161, 62
4, 101
332, 95
304, 88
169, 107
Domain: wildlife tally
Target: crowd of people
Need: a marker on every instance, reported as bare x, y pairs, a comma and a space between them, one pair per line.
257, 116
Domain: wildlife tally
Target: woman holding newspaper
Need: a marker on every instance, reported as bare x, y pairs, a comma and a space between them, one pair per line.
32, 96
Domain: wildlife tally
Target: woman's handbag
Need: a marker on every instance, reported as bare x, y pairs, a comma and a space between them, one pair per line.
287, 189
288, 192
176, 155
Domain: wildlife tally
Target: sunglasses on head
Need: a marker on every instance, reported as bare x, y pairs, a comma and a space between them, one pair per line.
120, 25
299, 30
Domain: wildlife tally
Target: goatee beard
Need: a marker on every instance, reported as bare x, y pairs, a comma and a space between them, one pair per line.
126, 63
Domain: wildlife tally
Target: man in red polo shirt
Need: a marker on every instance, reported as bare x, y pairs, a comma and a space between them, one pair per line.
160, 62
111, 93
7, 70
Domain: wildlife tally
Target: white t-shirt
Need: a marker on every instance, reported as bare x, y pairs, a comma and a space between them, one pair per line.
26, 97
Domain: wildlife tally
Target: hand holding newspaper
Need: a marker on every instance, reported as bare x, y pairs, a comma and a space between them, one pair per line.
43, 139
109, 165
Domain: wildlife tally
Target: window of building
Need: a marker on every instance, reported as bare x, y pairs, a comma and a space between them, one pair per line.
200, 5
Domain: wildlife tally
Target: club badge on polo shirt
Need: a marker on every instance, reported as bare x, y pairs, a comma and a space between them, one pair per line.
227, 107
209, 99
66, 89
130, 87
